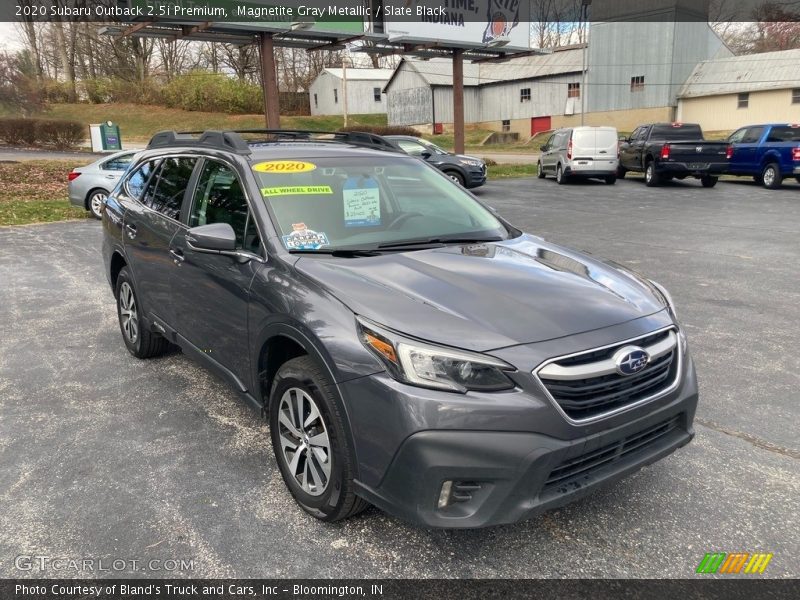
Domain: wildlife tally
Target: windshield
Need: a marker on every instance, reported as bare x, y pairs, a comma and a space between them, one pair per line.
432, 146
345, 203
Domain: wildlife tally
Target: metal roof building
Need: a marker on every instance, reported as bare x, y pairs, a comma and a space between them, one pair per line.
364, 91
726, 93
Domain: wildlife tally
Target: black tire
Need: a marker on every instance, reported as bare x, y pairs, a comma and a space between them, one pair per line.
709, 181
757, 179
540, 171
621, 172
338, 499
455, 176
651, 177
797, 179
610, 179
92, 199
145, 344
771, 177
561, 179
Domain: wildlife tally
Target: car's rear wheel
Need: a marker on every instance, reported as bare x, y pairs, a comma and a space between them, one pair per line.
540, 171
139, 340
610, 179
561, 179
455, 176
621, 172
94, 202
797, 179
709, 181
771, 176
651, 178
309, 441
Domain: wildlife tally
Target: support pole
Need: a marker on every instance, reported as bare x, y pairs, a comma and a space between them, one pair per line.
458, 101
269, 81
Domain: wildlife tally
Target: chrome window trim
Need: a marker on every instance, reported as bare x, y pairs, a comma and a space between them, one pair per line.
669, 389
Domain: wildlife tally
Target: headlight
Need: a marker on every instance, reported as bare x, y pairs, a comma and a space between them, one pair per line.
431, 366
471, 163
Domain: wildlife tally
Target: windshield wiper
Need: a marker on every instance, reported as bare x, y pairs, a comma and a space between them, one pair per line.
438, 242
338, 252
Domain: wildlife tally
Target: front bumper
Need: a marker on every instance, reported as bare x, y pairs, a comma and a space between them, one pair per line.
505, 475
475, 178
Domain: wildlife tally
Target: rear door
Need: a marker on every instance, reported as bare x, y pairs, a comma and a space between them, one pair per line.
150, 224
211, 292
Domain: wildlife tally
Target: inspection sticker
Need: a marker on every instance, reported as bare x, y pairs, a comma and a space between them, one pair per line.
303, 238
296, 190
284, 166
362, 202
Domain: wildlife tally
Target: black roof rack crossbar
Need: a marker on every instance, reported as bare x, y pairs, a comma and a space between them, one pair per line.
232, 140
358, 138
221, 140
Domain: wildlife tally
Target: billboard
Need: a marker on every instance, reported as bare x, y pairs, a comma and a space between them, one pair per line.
466, 23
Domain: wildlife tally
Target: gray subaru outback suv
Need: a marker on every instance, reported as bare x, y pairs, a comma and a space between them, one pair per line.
412, 349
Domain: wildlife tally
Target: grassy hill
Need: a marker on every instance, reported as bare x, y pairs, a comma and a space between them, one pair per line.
138, 123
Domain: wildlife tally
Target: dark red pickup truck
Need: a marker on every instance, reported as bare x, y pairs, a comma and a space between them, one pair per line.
663, 151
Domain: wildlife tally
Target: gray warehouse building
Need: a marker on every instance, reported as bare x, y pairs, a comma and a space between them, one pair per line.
364, 91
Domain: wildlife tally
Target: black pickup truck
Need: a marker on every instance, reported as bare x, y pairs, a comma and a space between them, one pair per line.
663, 151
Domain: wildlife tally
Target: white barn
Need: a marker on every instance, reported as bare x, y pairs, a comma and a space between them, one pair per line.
364, 91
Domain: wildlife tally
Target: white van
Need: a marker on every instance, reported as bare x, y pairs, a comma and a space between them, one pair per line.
580, 152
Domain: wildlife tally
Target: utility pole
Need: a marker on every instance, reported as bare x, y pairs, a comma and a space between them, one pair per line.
584, 67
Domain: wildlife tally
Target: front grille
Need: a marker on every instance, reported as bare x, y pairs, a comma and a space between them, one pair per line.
585, 464
594, 395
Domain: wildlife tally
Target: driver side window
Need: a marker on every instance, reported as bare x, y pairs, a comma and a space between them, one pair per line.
412, 148
219, 198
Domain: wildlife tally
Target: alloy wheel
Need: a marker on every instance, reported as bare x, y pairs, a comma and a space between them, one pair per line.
769, 176
96, 203
304, 441
129, 317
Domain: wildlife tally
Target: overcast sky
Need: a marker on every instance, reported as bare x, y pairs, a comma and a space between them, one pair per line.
9, 37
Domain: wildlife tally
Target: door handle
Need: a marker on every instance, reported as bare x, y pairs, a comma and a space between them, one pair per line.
131, 229
177, 256
111, 176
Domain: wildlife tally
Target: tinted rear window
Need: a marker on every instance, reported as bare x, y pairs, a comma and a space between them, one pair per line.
672, 132
784, 133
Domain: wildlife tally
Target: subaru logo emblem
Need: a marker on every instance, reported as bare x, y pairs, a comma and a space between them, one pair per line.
698, 149
630, 360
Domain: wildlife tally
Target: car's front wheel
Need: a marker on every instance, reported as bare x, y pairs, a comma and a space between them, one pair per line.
310, 444
456, 176
139, 340
95, 201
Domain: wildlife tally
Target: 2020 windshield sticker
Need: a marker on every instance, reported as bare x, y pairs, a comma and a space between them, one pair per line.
362, 202
296, 190
284, 166
303, 238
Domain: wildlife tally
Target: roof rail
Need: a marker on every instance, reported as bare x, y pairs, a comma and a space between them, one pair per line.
221, 140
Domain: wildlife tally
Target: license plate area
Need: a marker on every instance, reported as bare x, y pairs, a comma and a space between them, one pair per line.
698, 165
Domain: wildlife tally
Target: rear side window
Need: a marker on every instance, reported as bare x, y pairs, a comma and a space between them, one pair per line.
752, 135
166, 196
676, 132
139, 178
784, 133
219, 198
120, 163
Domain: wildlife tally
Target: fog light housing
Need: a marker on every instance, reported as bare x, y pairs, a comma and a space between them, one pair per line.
444, 494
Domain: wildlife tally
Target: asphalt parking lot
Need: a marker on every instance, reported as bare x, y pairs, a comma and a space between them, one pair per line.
104, 456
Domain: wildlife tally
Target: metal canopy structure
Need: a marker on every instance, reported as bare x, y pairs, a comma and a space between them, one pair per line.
315, 37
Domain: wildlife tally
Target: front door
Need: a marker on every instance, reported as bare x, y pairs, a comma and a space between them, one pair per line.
211, 292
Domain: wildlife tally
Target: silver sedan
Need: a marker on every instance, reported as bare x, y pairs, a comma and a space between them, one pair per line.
89, 186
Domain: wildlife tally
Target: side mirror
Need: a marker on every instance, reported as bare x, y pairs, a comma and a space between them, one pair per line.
425, 154
544, 147
622, 138
215, 238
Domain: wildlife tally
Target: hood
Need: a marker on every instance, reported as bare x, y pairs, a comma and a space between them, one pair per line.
467, 157
485, 296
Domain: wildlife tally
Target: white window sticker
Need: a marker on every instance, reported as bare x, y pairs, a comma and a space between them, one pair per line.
362, 202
